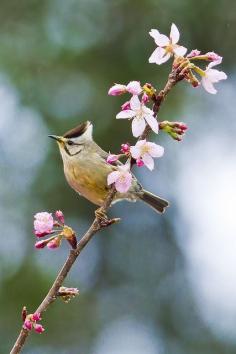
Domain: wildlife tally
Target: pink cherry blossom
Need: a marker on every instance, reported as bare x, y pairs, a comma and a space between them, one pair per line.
166, 47
145, 151
43, 224
59, 215
145, 98
212, 76
112, 158
141, 115
122, 178
117, 89
134, 87
38, 328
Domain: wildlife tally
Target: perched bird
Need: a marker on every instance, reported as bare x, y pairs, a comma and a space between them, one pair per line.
86, 169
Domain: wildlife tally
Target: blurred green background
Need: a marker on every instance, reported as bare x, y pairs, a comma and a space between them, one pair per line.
152, 284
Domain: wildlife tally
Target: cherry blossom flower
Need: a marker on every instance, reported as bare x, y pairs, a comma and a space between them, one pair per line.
43, 224
166, 47
212, 76
122, 178
111, 158
134, 87
117, 89
140, 114
59, 215
145, 151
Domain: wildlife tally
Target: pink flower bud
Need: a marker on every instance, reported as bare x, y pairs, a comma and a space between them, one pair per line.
112, 158
38, 328
194, 53
125, 148
145, 98
134, 87
41, 244
126, 106
36, 316
117, 90
55, 243
59, 215
139, 162
27, 325
214, 57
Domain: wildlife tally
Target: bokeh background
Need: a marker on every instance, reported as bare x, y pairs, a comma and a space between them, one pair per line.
152, 284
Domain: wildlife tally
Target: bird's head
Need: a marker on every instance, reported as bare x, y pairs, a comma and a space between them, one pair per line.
74, 141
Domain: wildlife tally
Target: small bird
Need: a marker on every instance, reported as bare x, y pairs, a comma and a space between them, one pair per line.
86, 169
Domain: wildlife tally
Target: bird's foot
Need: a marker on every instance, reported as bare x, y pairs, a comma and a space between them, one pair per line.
103, 219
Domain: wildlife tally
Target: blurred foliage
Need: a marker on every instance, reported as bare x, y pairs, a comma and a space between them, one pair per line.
58, 59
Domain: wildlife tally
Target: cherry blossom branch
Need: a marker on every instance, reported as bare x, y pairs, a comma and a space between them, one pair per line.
98, 224
144, 120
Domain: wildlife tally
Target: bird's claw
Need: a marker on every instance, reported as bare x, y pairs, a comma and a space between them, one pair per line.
103, 219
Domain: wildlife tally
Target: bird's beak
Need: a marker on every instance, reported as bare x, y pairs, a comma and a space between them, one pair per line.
60, 139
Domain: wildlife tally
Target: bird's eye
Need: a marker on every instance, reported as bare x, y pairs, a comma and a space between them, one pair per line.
70, 142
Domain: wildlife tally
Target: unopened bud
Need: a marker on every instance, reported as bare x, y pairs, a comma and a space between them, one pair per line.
117, 90
38, 328
125, 106
112, 158
24, 313
55, 243
139, 162
59, 215
125, 148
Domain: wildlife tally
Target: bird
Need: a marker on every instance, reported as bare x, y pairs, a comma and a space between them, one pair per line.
86, 170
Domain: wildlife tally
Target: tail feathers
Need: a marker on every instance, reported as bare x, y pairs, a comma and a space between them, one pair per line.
157, 203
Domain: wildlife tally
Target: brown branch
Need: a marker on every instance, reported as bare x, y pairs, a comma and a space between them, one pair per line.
96, 226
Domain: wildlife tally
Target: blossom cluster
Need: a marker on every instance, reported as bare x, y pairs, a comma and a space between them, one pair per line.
45, 225
30, 322
137, 110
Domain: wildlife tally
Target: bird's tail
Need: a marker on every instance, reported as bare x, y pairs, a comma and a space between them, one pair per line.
157, 203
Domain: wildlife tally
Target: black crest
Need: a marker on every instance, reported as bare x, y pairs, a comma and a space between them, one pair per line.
77, 131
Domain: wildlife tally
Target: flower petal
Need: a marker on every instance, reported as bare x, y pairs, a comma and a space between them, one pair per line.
127, 113
138, 126
215, 75
155, 150
135, 152
134, 87
180, 51
148, 161
135, 103
174, 34
112, 177
157, 56
164, 58
123, 184
152, 122
162, 40
208, 85
154, 33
